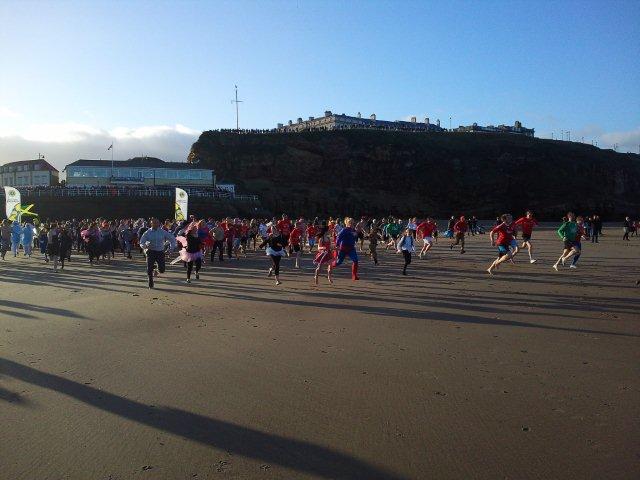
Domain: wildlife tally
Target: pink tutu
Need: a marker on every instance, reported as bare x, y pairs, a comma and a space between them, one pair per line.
189, 257
322, 257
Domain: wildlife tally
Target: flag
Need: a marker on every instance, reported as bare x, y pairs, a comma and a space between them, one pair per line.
12, 203
110, 147
181, 205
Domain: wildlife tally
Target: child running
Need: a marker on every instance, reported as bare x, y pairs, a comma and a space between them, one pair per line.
527, 223
505, 241
324, 255
345, 243
425, 232
568, 232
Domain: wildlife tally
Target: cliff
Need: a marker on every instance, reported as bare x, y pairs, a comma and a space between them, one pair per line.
381, 172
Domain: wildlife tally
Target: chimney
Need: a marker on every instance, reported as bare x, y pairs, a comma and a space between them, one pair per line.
373, 116
359, 115
280, 125
327, 113
414, 119
290, 123
426, 120
310, 118
299, 119
438, 122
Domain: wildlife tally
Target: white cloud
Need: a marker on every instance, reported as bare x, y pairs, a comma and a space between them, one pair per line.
63, 143
6, 112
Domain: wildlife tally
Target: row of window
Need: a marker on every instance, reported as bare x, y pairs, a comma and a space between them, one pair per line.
23, 168
101, 172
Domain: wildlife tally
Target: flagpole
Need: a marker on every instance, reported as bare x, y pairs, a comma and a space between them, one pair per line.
112, 142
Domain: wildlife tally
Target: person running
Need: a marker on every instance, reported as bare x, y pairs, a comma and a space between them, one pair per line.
275, 244
406, 245
42, 241
626, 228
312, 231
28, 232
506, 243
580, 234
5, 238
324, 255
345, 244
527, 223
16, 234
154, 240
126, 235
459, 230
360, 226
65, 244
295, 247
568, 232
374, 236
192, 252
425, 232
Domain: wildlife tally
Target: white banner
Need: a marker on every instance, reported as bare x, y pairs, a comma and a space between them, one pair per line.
12, 203
182, 204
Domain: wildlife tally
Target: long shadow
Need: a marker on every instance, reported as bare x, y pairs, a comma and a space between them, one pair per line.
275, 449
35, 308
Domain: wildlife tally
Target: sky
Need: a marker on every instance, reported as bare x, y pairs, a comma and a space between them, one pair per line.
151, 76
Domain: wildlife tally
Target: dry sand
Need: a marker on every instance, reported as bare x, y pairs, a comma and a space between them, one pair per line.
444, 374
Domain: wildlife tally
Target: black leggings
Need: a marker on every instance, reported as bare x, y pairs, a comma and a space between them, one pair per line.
198, 262
276, 263
407, 258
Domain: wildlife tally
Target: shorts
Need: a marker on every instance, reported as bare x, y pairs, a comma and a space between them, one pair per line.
503, 249
525, 237
428, 240
296, 247
513, 244
312, 241
568, 244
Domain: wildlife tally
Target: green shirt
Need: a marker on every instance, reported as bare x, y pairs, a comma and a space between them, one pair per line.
568, 230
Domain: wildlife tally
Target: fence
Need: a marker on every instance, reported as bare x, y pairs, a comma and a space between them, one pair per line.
56, 192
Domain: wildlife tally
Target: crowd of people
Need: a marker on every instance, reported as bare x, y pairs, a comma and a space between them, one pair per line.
331, 241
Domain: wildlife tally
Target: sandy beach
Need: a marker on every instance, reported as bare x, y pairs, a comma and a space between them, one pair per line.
444, 374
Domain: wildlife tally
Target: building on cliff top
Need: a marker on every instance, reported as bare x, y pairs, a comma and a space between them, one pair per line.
138, 171
32, 173
517, 128
332, 121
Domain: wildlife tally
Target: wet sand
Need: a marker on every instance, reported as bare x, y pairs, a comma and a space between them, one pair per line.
446, 373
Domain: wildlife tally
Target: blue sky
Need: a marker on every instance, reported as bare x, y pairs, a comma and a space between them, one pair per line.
153, 75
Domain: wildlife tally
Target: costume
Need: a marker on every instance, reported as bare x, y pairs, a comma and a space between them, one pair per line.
345, 243
324, 255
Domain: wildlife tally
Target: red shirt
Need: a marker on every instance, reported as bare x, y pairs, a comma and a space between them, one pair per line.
526, 224
284, 226
426, 229
294, 238
505, 233
460, 226
244, 230
311, 231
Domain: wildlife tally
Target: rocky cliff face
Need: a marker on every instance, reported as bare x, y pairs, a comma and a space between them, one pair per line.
378, 172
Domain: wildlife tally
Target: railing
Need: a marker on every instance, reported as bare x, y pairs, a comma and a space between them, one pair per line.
57, 192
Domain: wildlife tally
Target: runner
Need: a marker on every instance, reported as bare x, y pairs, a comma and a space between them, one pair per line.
568, 232
580, 234
425, 232
406, 245
507, 245
275, 244
324, 255
5, 238
154, 240
527, 223
345, 244
360, 226
191, 252
312, 231
459, 230
374, 236
295, 247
